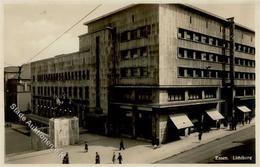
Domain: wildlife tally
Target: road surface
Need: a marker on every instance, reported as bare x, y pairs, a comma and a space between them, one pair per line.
236, 148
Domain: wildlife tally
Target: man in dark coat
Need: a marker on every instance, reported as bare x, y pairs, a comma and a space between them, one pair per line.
121, 145
200, 135
97, 158
66, 159
119, 158
86, 146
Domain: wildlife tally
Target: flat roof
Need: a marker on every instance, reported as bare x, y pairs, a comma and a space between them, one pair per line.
57, 56
183, 5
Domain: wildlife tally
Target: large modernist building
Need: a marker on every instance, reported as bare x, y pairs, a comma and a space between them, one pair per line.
152, 71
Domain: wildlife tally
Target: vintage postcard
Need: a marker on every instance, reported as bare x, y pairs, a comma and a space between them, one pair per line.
129, 83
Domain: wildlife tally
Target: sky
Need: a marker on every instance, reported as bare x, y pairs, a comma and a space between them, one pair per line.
29, 27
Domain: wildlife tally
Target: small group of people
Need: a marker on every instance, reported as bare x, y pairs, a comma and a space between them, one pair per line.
97, 157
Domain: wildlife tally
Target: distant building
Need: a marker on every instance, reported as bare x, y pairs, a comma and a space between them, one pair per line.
17, 91
153, 71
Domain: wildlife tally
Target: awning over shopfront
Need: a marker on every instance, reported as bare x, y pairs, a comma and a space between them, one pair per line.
214, 114
244, 108
180, 121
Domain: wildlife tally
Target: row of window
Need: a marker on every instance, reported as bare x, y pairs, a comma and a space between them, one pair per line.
245, 91
206, 73
140, 32
213, 57
193, 94
134, 53
75, 92
134, 72
75, 75
244, 62
214, 41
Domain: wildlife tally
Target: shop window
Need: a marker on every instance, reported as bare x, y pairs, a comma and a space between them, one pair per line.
176, 95
195, 94
210, 93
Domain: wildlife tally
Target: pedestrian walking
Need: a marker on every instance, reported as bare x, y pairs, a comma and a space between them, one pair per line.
114, 157
97, 158
120, 158
200, 136
246, 119
66, 159
121, 145
86, 146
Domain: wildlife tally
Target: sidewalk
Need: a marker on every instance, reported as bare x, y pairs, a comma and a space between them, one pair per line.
20, 128
136, 151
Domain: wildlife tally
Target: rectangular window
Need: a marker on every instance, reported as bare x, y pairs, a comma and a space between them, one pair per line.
190, 72
80, 77
124, 55
83, 75
143, 71
86, 92
70, 91
88, 75
134, 53
198, 73
143, 51
124, 36
181, 72
75, 92
181, 33
190, 20
80, 92
145, 31
181, 52
123, 72
206, 74
133, 34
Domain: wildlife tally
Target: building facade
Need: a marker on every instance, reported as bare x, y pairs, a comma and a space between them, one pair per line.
17, 86
153, 71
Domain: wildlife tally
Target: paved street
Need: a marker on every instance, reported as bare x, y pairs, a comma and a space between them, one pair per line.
206, 153
16, 142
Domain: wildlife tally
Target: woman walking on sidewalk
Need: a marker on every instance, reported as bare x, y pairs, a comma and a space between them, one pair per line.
97, 158
200, 135
114, 157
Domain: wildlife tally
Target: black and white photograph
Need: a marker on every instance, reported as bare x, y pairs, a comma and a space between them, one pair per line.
89, 82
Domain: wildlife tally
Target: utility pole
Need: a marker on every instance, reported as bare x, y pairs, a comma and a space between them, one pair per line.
231, 66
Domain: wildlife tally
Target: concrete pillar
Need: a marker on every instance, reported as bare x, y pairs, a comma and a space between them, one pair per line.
218, 93
186, 95
203, 94
134, 114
